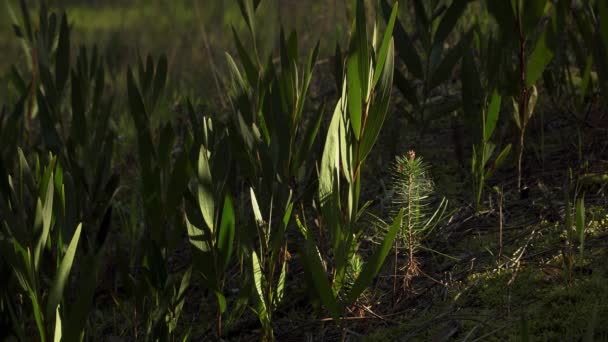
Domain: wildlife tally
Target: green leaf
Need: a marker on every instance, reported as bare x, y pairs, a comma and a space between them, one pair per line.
246, 60
226, 233
248, 10
258, 278
362, 47
449, 20
355, 96
498, 162
330, 160
57, 335
314, 267
531, 104
281, 284
205, 189
181, 294
516, 114
221, 301
63, 272
312, 60
379, 107
38, 316
47, 219
256, 208
79, 310
375, 262
492, 116
386, 44
538, 60
198, 237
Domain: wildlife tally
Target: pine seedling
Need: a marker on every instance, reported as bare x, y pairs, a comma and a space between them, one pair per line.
413, 193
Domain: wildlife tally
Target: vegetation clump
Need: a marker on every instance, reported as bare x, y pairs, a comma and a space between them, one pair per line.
163, 183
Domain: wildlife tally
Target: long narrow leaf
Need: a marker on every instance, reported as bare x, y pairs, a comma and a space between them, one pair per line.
226, 232
539, 59
313, 263
374, 264
492, 116
63, 272
205, 189
47, 218
386, 43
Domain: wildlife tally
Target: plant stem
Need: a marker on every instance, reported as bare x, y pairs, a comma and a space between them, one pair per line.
523, 100
409, 224
500, 227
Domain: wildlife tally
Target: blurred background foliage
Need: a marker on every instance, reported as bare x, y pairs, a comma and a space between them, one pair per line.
193, 34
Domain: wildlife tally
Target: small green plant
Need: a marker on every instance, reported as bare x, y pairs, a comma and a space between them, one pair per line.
574, 227
210, 218
413, 190
353, 130
481, 167
164, 180
32, 245
269, 264
521, 26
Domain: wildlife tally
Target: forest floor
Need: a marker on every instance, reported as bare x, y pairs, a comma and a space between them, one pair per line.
472, 286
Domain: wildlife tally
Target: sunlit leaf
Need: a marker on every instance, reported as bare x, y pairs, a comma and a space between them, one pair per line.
56, 293
379, 107
205, 189
539, 59
375, 262
57, 335
47, 218
258, 278
386, 44
492, 116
